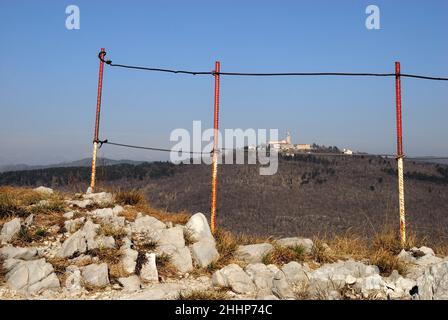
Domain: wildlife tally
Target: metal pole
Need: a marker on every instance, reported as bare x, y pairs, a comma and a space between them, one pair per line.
215, 149
400, 156
97, 120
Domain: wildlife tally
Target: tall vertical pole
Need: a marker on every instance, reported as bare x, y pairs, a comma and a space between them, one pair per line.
97, 120
400, 156
215, 149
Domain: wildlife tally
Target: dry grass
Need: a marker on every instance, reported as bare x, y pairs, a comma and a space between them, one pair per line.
59, 266
348, 245
226, 244
2, 271
320, 253
282, 255
387, 262
116, 271
108, 255
109, 230
52, 205
130, 213
203, 295
141, 260
131, 198
137, 200
145, 245
164, 266
381, 251
17, 201
441, 248
389, 240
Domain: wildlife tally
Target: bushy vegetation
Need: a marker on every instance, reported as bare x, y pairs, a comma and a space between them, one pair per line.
203, 295
131, 197
282, 255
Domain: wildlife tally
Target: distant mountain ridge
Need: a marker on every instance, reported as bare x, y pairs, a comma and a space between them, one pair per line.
86, 162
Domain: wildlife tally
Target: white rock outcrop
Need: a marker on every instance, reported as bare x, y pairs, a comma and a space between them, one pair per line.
95, 275
306, 244
234, 277
130, 284
433, 283
44, 190
262, 277
30, 276
149, 269
253, 253
10, 230
198, 228
204, 253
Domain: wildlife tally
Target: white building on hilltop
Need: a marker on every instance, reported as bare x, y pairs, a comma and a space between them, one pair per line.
286, 144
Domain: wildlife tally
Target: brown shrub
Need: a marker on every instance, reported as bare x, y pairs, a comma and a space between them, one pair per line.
203, 295
108, 255
2, 270
109, 230
131, 197
164, 266
387, 262
282, 255
321, 253
226, 244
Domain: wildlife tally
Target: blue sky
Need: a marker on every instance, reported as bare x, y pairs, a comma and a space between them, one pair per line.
49, 74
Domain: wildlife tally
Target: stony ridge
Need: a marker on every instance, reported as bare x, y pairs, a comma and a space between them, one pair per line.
103, 254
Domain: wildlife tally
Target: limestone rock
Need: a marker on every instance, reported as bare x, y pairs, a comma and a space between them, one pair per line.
234, 277
73, 225
433, 283
29, 221
181, 260
73, 279
198, 228
102, 242
44, 190
253, 253
172, 236
100, 198
130, 284
102, 213
149, 270
296, 274
10, 230
32, 276
147, 224
96, 275
370, 283
117, 209
204, 252
10, 252
333, 276
262, 277
281, 287
306, 244
129, 259
69, 215
80, 203
80, 241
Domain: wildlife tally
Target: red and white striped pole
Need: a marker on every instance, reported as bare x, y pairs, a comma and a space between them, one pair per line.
97, 120
400, 156
215, 150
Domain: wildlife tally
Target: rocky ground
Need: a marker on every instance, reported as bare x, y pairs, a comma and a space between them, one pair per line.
87, 246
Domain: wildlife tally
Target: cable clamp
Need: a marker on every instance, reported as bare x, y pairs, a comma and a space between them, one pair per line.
101, 56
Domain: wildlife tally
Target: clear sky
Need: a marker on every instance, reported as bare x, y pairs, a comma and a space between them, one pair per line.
48, 74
